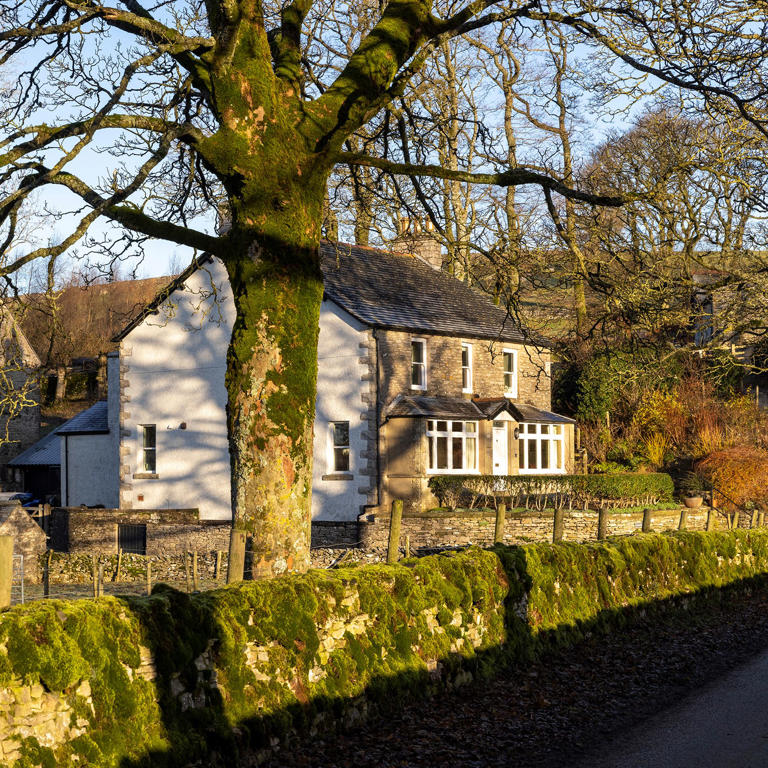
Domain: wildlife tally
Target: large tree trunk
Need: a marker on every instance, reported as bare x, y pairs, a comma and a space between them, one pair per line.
271, 382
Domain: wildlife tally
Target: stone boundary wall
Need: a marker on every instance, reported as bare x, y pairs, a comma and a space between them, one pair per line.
94, 531
225, 677
435, 529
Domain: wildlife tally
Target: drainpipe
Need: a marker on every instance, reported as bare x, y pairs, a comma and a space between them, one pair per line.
376, 415
66, 470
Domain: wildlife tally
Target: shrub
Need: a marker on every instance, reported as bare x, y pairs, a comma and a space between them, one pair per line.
558, 491
739, 475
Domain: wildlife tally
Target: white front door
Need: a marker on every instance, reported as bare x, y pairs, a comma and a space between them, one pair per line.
500, 452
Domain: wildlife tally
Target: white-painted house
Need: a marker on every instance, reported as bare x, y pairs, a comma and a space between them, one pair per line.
391, 327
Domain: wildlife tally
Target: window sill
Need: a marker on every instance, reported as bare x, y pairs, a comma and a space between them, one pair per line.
338, 476
146, 476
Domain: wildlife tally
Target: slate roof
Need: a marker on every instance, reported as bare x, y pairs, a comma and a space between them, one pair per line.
461, 408
92, 421
402, 292
46, 452
434, 407
391, 290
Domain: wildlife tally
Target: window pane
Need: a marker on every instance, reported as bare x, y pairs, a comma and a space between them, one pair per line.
471, 454
341, 459
430, 426
150, 465
530, 429
465, 378
457, 453
341, 433
558, 454
417, 375
149, 435
521, 453
533, 446
498, 424
417, 352
557, 429
470, 426
545, 454
465, 356
431, 447
508, 362
442, 453
442, 426
545, 429
457, 426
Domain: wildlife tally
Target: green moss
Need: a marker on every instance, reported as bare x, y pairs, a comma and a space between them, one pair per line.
527, 599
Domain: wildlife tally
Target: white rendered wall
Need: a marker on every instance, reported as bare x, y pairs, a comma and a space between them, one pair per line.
174, 364
339, 398
88, 471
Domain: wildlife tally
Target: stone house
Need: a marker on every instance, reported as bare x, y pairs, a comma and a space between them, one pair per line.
19, 397
418, 374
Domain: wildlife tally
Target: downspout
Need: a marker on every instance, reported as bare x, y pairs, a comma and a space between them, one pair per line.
376, 412
66, 470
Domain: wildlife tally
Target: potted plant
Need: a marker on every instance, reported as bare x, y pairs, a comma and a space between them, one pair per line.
692, 487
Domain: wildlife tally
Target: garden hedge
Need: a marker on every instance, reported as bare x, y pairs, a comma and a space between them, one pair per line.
552, 491
234, 668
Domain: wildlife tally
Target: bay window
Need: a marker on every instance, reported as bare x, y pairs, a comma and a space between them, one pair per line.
540, 449
452, 446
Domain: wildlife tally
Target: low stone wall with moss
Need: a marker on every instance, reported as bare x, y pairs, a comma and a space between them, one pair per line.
462, 528
214, 678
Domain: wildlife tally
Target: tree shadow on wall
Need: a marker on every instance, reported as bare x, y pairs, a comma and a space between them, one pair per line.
187, 633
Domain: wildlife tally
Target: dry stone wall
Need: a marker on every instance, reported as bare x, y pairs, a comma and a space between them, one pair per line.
224, 677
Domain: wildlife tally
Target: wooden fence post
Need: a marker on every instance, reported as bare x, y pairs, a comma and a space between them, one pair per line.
186, 569
217, 567
602, 523
558, 525
407, 546
761, 520
195, 585
95, 575
395, 522
119, 564
149, 576
47, 574
6, 570
683, 524
646, 520
711, 519
100, 579
753, 521
236, 562
498, 532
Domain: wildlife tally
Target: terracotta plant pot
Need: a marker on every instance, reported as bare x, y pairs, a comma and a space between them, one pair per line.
693, 502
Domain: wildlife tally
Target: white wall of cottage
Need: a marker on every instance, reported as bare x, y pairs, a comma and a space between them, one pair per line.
172, 369
88, 473
340, 389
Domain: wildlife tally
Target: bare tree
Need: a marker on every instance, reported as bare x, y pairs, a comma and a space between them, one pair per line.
246, 107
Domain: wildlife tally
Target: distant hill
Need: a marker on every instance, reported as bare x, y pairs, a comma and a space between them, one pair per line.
79, 321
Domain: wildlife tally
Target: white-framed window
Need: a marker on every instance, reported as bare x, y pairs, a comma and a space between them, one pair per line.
452, 446
541, 449
148, 448
418, 364
339, 446
466, 367
509, 358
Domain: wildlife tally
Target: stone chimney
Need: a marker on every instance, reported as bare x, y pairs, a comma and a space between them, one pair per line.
418, 240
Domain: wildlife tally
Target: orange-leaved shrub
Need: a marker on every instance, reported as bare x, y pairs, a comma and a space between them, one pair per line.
739, 476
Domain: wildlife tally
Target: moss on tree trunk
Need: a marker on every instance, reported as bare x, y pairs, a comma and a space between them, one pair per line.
271, 384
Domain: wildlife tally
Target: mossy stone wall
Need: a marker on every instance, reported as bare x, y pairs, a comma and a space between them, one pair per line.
172, 679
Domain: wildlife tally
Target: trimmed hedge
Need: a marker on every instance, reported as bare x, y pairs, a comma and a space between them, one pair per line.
552, 491
238, 666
